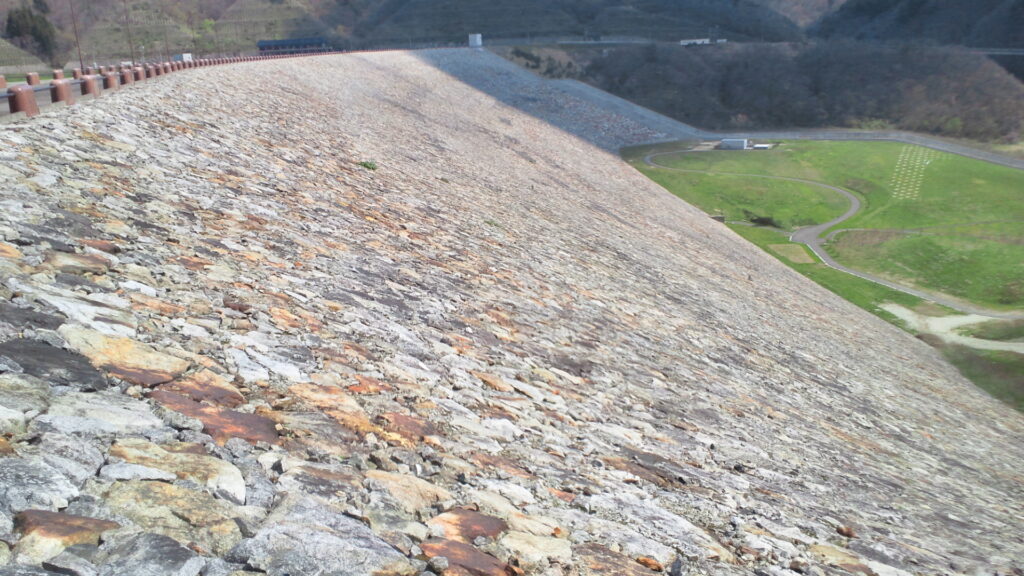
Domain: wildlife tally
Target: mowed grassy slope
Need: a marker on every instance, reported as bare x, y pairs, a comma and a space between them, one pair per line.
938, 221
866, 169
735, 197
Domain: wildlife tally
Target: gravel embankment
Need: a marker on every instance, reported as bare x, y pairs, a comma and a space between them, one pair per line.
226, 347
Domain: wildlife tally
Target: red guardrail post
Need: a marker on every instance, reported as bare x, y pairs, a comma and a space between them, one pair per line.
22, 99
139, 73
60, 91
58, 74
3, 82
110, 81
89, 71
76, 73
90, 86
32, 79
127, 76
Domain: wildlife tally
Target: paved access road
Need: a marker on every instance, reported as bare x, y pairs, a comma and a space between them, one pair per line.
814, 238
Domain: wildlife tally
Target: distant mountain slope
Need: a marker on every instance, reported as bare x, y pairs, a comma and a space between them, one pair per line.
13, 57
989, 23
211, 26
762, 86
662, 19
802, 12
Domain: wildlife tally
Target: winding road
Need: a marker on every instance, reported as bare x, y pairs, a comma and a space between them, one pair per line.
812, 237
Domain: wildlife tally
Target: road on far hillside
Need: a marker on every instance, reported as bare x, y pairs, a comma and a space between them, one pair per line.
814, 238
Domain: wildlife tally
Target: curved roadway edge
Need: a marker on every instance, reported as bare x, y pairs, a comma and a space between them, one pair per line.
811, 237
676, 130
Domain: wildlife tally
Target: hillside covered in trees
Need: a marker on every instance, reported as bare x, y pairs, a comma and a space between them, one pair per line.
943, 91
984, 23
216, 26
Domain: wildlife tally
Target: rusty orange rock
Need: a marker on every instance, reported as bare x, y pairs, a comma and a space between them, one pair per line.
466, 525
651, 563
5, 447
78, 263
151, 304
207, 386
465, 560
598, 560
102, 245
284, 319
504, 464
368, 385
193, 263
562, 495
45, 534
221, 423
9, 251
494, 382
335, 402
411, 428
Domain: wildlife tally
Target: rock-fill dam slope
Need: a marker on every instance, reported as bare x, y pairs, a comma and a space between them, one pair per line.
408, 313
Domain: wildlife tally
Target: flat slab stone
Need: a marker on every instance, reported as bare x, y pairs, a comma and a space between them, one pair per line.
126, 471
125, 358
465, 560
175, 511
308, 537
98, 414
26, 318
151, 555
78, 263
532, 551
206, 386
219, 476
53, 365
24, 393
412, 492
46, 534
30, 483
19, 570
87, 311
596, 560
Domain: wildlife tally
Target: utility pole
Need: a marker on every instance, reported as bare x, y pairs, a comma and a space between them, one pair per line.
128, 24
78, 44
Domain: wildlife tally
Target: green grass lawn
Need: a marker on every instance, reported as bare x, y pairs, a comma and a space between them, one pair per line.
971, 250
999, 373
863, 293
44, 78
789, 204
938, 221
1010, 330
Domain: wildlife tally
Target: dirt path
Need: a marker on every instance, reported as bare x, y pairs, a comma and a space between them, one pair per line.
812, 237
945, 327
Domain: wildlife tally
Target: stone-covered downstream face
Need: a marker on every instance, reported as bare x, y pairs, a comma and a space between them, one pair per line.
227, 347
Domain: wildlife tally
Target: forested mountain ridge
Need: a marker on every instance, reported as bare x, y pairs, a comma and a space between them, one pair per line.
235, 25
985, 23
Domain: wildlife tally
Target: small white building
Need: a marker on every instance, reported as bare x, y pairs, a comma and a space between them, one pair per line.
476, 40
734, 144
695, 42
